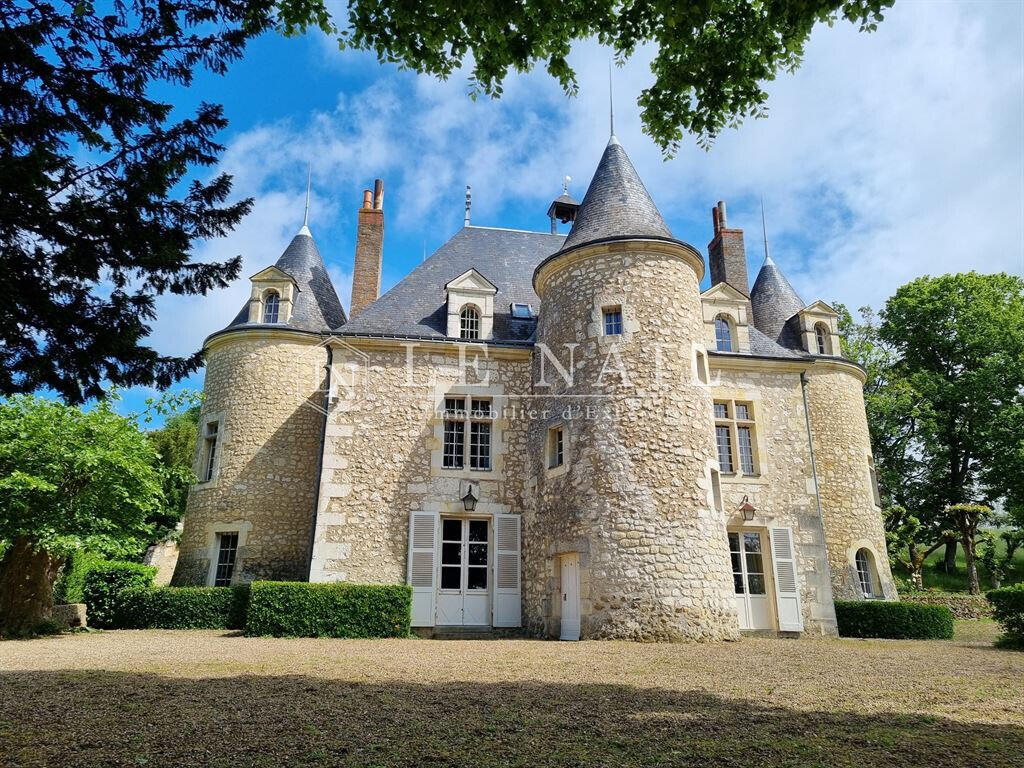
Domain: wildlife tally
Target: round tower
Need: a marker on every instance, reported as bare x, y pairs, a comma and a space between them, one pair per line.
250, 516
622, 439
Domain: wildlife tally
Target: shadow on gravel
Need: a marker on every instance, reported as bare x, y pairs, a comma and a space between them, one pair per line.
94, 718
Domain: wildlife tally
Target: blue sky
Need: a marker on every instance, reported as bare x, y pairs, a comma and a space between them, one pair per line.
885, 157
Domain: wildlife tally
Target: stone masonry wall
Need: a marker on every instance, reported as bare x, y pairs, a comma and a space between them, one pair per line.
263, 387
783, 489
842, 447
634, 501
382, 456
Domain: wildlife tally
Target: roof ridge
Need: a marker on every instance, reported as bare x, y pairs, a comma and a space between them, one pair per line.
510, 229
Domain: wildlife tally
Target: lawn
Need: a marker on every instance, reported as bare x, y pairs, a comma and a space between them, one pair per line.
165, 698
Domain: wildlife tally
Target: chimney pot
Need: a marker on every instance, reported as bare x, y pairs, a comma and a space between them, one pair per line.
367, 199
714, 219
378, 194
722, 221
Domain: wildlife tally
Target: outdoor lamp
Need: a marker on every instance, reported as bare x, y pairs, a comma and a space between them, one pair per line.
469, 500
746, 508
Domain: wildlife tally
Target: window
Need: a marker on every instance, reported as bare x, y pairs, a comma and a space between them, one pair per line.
521, 311
821, 338
556, 447
716, 489
723, 334
227, 547
210, 451
479, 419
876, 497
866, 573
271, 307
612, 321
469, 323
702, 367
734, 436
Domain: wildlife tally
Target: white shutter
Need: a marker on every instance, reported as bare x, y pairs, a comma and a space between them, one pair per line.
423, 528
507, 593
787, 583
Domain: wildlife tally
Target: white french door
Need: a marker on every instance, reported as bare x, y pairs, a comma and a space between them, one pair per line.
463, 597
748, 574
570, 579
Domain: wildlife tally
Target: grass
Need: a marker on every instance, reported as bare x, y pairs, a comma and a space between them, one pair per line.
183, 698
936, 578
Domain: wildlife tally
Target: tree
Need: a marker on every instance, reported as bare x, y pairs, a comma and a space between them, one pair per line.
98, 214
904, 531
175, 445
70, 479
712, 62
960, 342
968, 517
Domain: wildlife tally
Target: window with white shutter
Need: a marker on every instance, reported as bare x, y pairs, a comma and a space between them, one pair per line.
422, 557
787, 582
507, 592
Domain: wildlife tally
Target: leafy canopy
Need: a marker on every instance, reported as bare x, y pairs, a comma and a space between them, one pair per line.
73, 479
712, 61
98, 213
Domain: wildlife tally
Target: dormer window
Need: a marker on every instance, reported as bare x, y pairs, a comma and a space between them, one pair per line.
723, 334
271, 307
821, 338
469, 323
521, 311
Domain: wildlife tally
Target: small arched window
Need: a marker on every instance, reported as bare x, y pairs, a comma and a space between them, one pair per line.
866, 573
821, 338
723, 334
271, 307
469, 323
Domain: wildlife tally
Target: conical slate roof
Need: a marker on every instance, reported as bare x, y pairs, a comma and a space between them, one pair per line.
774, 301
616, 205
316, 306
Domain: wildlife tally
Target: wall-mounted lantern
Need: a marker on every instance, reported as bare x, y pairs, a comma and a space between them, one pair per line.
747, 509
470, 499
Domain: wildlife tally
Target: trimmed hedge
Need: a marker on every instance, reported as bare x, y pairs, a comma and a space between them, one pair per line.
900, 621
298, 609
1008, 610
105, 587
185, 608
71, 582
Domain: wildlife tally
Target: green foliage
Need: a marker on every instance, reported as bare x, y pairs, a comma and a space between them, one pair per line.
71, 581
1008, 610
712, 63
106, 585
297, 609
184, 608
74, 479
899, 621
101, 205
175, 445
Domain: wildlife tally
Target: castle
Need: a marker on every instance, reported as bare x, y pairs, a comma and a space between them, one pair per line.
557, 433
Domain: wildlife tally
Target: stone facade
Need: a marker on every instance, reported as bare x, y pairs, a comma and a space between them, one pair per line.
263, 390
635, 502
842, 448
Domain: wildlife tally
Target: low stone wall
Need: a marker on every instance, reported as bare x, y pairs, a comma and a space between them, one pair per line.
69, 615
963, 606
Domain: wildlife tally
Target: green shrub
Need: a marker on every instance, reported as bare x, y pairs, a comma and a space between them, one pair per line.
71, 581
911, 621
105, 588
184, 608
1008, 610
297, 609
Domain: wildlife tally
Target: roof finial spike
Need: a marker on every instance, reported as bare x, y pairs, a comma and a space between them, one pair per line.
305, 216
565, 184
611, 103
764, 233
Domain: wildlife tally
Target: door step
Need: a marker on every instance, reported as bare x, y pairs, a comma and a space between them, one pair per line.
463, 633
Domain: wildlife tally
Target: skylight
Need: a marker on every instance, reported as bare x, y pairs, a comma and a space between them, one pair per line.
521, 311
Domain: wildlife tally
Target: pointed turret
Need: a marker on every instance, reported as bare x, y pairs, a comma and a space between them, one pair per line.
617, 205
774, 301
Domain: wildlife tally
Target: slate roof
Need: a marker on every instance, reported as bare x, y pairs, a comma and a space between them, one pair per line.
416, 307
316, 307
616, 205
774, 301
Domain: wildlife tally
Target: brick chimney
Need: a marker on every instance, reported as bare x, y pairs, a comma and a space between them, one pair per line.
727, 256
369, 250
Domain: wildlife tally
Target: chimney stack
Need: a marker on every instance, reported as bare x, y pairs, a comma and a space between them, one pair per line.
369, 250
727, 256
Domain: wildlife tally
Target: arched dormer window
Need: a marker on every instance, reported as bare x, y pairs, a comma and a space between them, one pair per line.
821, 338
866, 573
271, 307
469, 323
723, 334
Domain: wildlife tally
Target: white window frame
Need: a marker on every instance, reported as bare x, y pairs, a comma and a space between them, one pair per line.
266, 305
869, 572
821, 338
212, 437
466, 418
734, 426
470, 322
723, 320
553, 467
